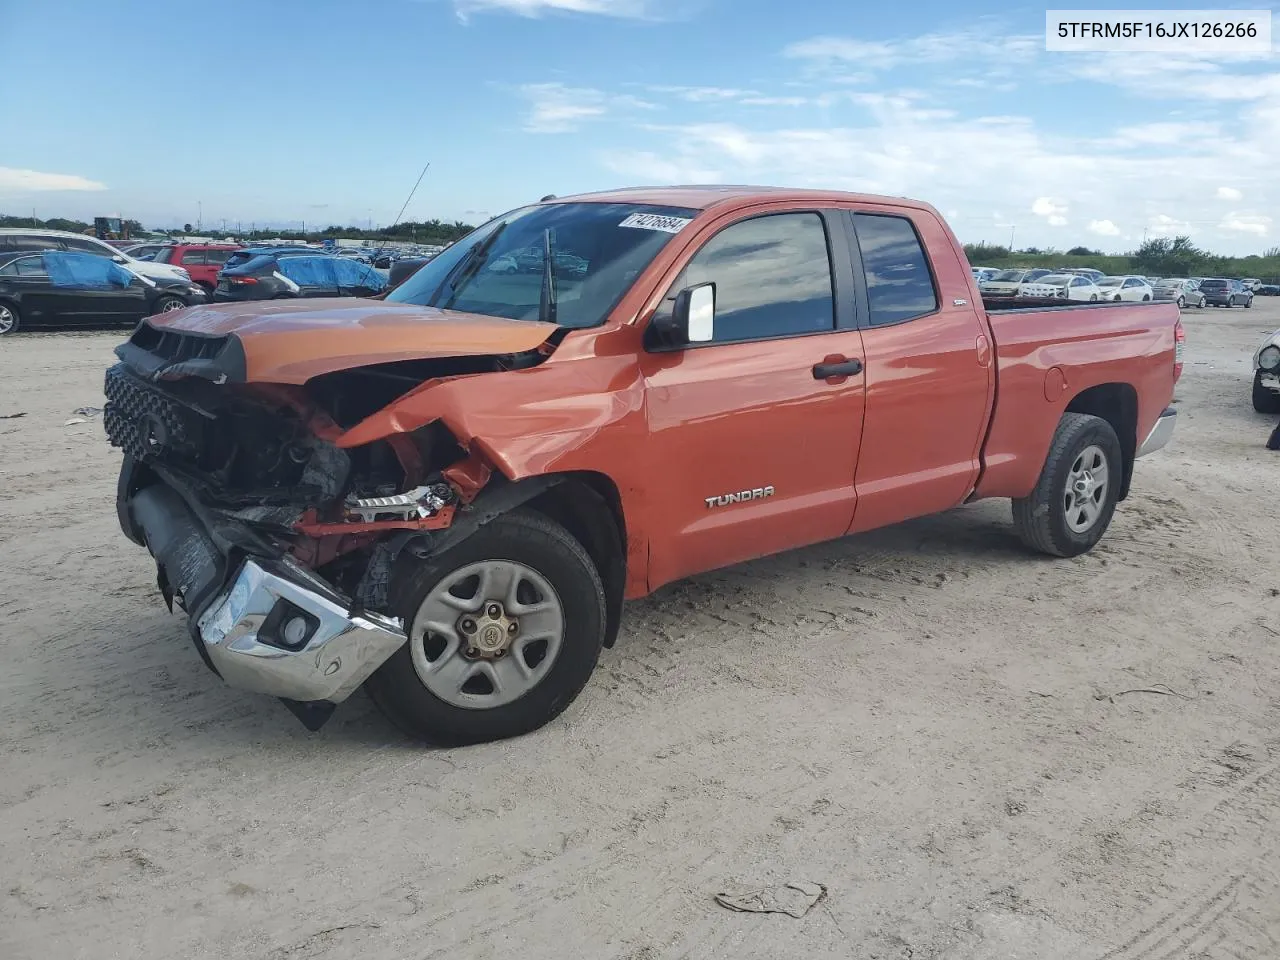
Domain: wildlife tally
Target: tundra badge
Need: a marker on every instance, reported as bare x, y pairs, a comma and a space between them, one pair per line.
742, 496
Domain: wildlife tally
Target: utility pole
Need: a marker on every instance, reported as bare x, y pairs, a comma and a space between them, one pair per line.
199, 215
1012, 229
1144, 234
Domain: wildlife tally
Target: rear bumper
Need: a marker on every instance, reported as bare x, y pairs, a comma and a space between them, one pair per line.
1160, 434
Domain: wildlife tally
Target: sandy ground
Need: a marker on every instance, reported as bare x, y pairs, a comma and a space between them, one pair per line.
949, 734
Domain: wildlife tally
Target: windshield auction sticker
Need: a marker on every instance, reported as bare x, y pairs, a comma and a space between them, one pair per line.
1163, 31
652, 221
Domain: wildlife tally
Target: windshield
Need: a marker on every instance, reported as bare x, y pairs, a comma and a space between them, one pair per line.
1057, 278
598, 250
1009, 276
1110, 281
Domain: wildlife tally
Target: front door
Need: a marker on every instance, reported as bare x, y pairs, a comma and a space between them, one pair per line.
754, 436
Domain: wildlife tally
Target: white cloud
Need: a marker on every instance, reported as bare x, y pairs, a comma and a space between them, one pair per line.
557, 108
1163, 225
1247, 223
870, 55
1048, 207
631, 9
1057, 221
13, 180
1104, 228
704, 94
1228, 193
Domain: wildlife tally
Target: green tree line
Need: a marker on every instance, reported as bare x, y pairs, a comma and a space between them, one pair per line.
408, 231
1157, 257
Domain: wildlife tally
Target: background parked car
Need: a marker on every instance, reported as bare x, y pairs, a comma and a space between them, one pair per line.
202, 261
242, 256
1007, 283
1133, 289
66, 289
406, 267
1251, 283
1092, 274
1220, 292
1062, 286
275, 277
1268, 290
14, 240
1266, 375
1186, 292
982, 274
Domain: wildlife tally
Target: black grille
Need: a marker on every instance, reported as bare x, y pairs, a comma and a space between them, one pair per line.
175, 345
145, 423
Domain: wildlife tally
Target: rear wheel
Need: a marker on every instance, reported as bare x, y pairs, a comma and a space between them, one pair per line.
1265, 400
10, 320
1073, 501
504, 631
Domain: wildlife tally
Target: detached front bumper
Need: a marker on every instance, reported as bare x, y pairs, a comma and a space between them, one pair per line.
1160, 434
265, 625
286, 633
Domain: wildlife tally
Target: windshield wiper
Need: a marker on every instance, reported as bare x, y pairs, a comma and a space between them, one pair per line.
466, 268
547, 300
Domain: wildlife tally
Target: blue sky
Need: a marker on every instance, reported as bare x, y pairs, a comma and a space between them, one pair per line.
290, 110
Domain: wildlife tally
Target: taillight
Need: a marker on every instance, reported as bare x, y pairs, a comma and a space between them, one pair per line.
242, 281
1179, 348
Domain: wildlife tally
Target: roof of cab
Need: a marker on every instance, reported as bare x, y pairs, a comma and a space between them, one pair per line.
703, 196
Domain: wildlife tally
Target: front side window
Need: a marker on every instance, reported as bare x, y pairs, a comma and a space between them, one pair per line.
899, 283
772, 277
597, 252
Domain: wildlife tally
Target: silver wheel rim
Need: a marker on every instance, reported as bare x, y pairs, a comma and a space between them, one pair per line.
1086, 489
6, 319
487, 634
171, 305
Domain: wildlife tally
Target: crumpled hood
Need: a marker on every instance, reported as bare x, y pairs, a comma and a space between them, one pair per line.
293, 341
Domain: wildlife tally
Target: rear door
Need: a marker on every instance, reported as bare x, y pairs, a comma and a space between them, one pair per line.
754, 435
929, 375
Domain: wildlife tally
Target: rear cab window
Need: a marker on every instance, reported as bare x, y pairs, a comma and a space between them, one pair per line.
899, 281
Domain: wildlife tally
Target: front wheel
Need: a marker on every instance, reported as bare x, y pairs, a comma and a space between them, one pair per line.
504, 631
1073, 501
9, 319
1182, 303
168, 305
1146, 297
1093, 298
1248, 303
1265, 400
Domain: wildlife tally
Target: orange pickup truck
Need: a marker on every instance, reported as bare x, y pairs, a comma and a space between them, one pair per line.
445, 495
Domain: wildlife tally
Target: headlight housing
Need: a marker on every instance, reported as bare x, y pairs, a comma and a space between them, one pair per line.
1269, 358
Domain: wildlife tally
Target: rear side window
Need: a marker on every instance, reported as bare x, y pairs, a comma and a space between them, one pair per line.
216, 257
772, 277
87, 246
899, 284
27, 241
195, 257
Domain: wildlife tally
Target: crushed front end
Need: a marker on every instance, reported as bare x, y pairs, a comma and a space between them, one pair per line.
277, 543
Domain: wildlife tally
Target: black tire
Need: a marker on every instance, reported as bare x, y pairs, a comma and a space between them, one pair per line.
1264, 400
1182, 303
1093, 298
1146, 297
1248, 303
1041, 518
168, 304
14, 319
537, 542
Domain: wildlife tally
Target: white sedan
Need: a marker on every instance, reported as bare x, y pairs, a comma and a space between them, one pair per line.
1126, 288
1063, 286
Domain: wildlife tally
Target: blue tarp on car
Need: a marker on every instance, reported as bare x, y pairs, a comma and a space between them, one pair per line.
85, 271
329, 272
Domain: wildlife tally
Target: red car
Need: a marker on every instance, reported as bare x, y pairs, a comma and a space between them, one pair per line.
201, 260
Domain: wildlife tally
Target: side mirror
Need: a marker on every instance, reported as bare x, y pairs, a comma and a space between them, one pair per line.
119, 259
692, 318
